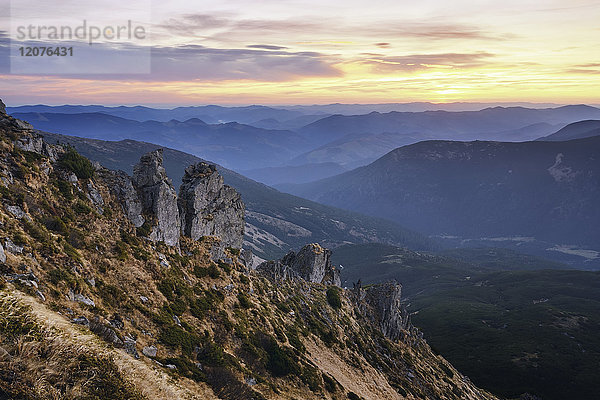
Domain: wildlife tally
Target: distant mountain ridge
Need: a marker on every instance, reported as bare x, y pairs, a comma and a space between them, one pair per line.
576, 130
546, 190
233, 145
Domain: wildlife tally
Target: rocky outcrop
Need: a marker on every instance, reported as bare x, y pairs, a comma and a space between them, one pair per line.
276, 270
312, 263
210, 208
158, 197
2, 107
26, 137
121, 186
2, 255
381, 304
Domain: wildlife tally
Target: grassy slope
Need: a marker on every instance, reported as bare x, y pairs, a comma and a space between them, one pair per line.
232, 326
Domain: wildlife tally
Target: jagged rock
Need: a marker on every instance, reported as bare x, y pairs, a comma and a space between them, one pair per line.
210, 208
312, 263
16, 211
158, 197
277, 271
12, 248
149, 351
81, 321
2, 255
105, 332
81, 299
40, 295
34, 142
29, 276
382, 306
247, 258
2, 107
120, 185
117, 322
95, 197
130, 346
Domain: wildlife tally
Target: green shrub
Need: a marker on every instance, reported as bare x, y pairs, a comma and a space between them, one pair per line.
76, 163
65, 188
36, 232
244, 301
57, 225
186, 368
71, 252
279, 363
175, 337
121, 250
294, 339
81, 208
212, 355
333, 297
19, 239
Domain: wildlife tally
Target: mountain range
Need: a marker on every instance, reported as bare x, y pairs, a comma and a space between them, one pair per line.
546, 191
259, 138
232, 144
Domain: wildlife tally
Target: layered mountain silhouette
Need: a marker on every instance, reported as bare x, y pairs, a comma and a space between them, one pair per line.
233, 145
544, 190
576, 130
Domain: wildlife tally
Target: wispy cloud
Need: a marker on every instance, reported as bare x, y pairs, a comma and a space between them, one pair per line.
266, 47
415, 62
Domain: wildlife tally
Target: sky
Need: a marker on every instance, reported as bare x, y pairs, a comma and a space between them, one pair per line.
308, 52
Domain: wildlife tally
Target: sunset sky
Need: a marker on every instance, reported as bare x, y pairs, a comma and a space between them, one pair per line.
305, 52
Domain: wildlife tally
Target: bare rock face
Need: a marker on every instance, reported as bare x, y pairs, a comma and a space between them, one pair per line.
210, 208
312, 263
120, 184
2, 255
158, 197
381, 304
2, 107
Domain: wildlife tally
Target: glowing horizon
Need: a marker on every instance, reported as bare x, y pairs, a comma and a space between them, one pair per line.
306, 52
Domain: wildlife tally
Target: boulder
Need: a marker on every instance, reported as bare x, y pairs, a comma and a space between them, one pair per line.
12, 248
149, 351
2, 255
208, 207
158, 197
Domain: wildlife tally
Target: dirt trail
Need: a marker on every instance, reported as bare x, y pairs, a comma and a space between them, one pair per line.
149, 379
